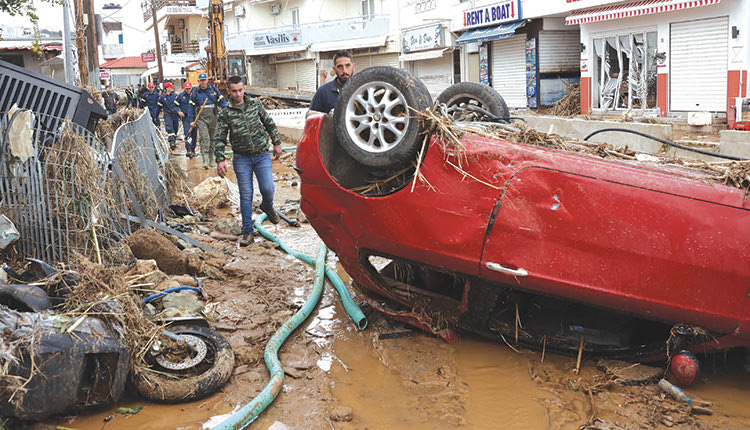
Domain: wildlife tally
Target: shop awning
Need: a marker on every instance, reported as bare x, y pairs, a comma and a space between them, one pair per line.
349, 44
490, 33
629, 10
422, 55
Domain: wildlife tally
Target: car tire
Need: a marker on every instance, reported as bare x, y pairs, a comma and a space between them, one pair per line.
205, 378
459, 95
375, 117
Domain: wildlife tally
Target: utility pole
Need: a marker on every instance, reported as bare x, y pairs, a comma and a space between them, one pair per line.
81, 23
158, 45
69, 76
92, 40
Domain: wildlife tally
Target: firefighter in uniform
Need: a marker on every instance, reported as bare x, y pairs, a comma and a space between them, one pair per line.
185, 110
150, 99
167, 104
206, 121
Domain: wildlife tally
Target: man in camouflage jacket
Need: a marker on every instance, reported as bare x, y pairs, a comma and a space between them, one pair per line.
249, 128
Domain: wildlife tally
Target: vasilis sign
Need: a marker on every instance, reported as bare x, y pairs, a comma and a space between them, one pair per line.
494, 14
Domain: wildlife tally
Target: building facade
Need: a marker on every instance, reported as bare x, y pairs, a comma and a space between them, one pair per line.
653, 58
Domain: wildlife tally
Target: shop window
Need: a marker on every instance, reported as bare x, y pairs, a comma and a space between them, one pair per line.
625, 71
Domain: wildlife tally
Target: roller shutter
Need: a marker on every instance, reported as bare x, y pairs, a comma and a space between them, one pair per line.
307, 75
297, 75
509, 70
559, 51
698, 65
436, 74
286, 75
364, 61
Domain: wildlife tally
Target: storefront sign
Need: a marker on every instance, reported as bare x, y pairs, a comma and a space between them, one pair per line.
484, 65
103, 75
364, 51
147, 57
288, 56
420, 39
495, 14
276, 38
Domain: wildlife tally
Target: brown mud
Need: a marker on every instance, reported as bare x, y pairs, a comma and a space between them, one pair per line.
390, 376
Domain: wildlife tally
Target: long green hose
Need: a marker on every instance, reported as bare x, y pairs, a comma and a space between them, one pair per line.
249, 412
355, 313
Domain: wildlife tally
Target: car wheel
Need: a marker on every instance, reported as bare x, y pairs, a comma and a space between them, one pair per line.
462, 98
187, 374
375, 117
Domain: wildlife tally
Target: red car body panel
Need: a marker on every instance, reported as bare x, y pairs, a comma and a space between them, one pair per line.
659, 242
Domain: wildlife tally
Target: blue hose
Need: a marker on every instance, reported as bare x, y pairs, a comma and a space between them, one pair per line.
249, 412
355, 313
170, 290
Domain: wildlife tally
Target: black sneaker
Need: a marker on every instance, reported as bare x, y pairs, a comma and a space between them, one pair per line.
272, 215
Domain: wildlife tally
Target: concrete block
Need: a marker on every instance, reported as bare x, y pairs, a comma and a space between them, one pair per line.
735, 142
579, 128
699, 118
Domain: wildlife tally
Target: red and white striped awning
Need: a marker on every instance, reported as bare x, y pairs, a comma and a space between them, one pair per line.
629, 10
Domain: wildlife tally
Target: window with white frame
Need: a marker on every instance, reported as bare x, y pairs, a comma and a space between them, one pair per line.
295, 16
368, 7
625, 71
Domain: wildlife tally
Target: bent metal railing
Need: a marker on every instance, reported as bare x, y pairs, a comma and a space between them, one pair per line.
68, 194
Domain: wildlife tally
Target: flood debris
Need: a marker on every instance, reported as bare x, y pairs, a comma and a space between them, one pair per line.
148, 244
732, 173
570, 104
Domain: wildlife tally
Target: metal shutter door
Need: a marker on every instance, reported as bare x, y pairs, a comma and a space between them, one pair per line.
436, 74
307, 75
559, 51
698, 65
384, 60
509, 70
286, 75
361, 62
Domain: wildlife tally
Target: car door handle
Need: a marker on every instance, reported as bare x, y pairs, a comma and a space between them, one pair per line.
498, 268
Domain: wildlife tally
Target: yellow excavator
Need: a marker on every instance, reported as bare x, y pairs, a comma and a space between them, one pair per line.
221, 64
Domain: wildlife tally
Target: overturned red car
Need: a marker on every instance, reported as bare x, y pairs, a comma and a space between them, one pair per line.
539, 247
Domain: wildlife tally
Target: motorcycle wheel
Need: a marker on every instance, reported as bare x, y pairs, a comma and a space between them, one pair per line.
184, 375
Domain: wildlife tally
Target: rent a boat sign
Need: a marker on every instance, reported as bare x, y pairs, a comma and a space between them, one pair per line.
497, 13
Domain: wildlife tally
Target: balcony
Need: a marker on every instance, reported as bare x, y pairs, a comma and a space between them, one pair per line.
184, 48
169, 7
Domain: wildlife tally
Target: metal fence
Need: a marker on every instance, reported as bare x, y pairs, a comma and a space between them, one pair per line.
68, 194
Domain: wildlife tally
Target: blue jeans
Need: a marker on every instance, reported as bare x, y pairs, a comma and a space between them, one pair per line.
244, 166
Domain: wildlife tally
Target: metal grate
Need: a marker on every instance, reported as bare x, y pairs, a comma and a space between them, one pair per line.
50, 97
65, 199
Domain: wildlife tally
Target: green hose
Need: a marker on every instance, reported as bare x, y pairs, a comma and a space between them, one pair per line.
355, 313
249, 412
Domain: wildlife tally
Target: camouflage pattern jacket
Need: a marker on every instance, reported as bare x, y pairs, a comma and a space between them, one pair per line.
249, 127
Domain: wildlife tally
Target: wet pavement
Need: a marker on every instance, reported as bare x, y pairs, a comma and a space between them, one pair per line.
418, 381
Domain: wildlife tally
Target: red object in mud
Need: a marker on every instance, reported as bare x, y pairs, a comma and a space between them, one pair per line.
533, 245
685, 367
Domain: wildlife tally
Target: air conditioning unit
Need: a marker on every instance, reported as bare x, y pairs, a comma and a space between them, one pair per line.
275, 9
239, 11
